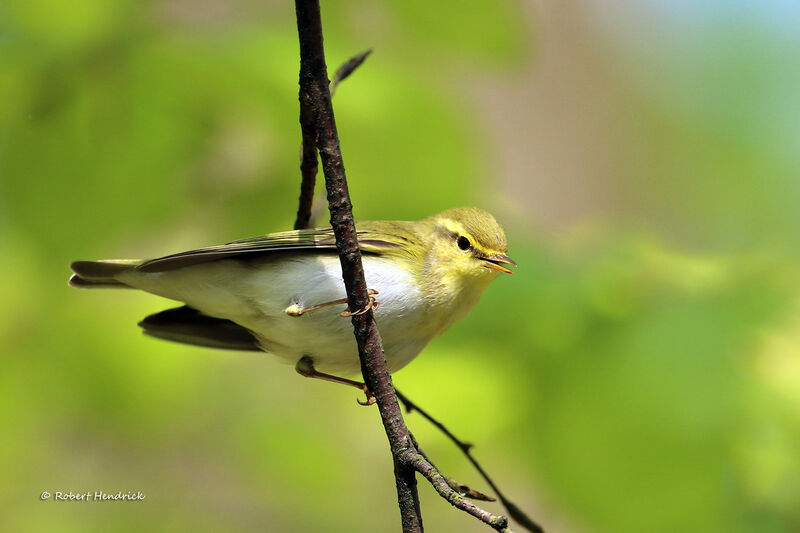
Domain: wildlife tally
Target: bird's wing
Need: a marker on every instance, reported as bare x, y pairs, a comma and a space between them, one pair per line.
189, 326
374, 237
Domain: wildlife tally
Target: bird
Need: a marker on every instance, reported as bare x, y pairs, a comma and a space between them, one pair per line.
282, 293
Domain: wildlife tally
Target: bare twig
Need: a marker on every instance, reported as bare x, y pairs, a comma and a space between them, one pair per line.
460, 488
440, 484
308, 164
513, 510
315, 98
314, 90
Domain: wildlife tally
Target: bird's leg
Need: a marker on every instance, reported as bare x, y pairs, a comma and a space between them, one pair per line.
305, 367
298, 310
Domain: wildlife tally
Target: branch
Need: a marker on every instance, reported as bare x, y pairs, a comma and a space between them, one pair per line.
314, 90
315, 96
460, 488
308, 164
441, 484
466, 447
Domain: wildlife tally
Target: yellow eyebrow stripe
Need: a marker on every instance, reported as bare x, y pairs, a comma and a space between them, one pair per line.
457, 229
453, 227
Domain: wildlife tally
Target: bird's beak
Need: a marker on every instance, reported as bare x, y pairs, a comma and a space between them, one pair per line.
496, 262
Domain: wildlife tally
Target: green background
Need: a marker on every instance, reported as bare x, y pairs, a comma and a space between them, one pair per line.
640, 371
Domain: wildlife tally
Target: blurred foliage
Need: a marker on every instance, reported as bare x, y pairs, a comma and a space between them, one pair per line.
639, 373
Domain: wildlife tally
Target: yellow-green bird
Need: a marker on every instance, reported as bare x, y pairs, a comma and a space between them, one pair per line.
283, 293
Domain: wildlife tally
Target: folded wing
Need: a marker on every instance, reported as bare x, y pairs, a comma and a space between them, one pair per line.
375, 238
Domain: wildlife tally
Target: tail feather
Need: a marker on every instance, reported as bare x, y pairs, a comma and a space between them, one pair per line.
100, 274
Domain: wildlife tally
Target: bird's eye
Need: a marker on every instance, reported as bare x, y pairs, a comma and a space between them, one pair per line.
464, 243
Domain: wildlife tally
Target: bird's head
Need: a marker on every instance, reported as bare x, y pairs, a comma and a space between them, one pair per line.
467, 243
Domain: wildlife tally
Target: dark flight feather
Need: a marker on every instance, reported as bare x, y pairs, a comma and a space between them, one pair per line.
189, 326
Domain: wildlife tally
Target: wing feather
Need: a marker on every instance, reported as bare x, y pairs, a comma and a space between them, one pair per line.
375, 238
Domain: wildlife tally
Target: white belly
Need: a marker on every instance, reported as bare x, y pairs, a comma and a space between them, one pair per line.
256, 294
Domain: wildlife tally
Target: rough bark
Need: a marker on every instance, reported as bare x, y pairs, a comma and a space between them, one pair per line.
317, 119
314, 90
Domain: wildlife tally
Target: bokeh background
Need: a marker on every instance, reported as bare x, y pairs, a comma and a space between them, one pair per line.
640, 371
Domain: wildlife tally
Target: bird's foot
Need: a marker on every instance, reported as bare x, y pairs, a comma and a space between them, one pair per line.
371, 399
372, 304
297, 310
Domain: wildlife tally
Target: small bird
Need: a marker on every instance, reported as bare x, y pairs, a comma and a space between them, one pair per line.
283, 293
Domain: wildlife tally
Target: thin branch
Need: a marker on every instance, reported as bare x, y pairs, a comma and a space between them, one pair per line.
308, 164
513, 510
314, 89
442, 486
454, 492
462, 489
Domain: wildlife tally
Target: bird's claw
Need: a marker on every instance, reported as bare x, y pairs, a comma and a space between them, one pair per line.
371, 399
373, 304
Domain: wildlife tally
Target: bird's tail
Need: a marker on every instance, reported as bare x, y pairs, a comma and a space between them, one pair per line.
100, 274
